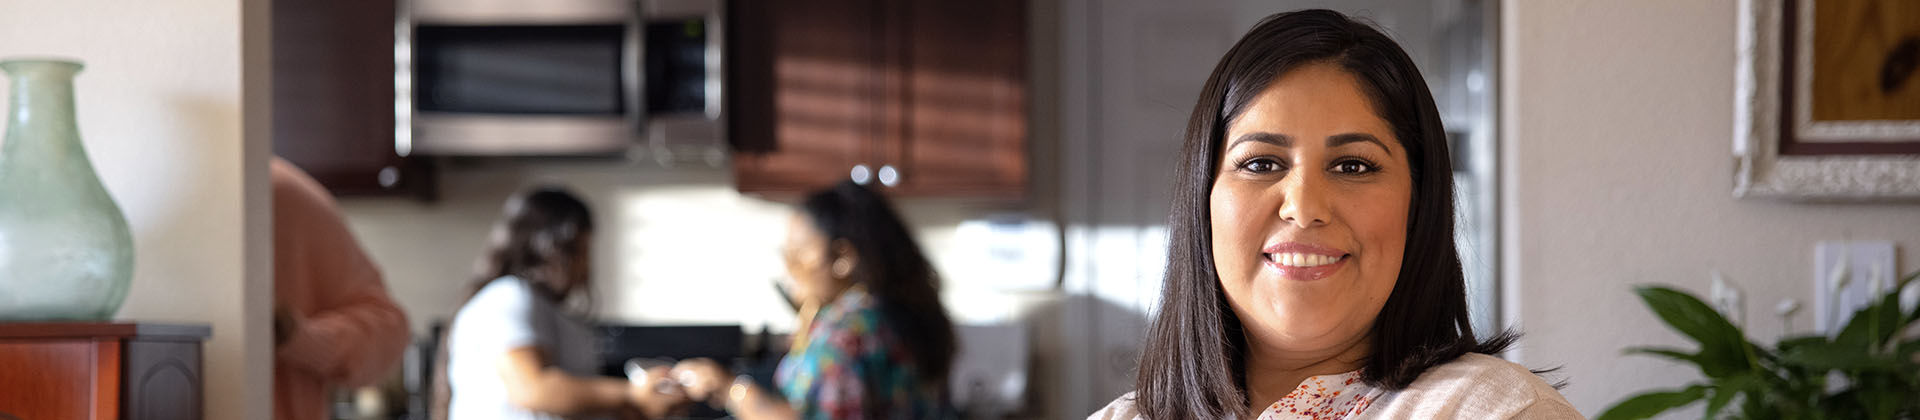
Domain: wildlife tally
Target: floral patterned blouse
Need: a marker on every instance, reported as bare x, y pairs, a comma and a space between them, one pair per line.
846, 360
1324, 397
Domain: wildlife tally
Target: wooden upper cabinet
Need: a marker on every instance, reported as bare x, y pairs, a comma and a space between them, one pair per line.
928, 96
804, 86
964, 128
333, 96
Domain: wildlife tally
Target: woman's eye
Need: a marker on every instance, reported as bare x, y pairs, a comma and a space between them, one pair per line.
1260, 165
1353, 167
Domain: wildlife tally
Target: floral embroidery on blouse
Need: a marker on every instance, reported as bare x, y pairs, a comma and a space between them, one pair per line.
849, 360
1324, 397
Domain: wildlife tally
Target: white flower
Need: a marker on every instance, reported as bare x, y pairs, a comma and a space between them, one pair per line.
1786, 307
1909, 297
1726, 299
1840, 276
1785, 310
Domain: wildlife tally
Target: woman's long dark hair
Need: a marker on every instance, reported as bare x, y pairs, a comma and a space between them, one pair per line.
539, 237
893, 269
1193, 365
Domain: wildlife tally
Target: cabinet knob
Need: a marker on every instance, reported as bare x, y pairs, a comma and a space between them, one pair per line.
389, 177
889, 176
861, 175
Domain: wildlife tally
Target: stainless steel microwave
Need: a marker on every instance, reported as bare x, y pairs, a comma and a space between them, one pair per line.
561, 78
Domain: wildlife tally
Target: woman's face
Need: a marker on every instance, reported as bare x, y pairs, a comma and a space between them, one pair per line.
580, 269
1309, 212
807, 259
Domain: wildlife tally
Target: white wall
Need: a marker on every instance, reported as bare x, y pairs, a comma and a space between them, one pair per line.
675, 246
1618, 121
682, 231
160, 107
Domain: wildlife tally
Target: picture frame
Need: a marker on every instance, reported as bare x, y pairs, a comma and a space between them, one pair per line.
1795, 142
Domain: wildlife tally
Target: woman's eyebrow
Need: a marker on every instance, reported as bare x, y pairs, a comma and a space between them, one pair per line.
1276, 139
1338, 140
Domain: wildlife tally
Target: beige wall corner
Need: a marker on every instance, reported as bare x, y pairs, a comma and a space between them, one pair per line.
171, 111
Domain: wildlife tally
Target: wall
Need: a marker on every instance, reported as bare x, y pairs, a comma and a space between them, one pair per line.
675, 246
1618, 120
160, 107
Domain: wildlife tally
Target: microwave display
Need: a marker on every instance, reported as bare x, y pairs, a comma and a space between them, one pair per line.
520, 69
676, 66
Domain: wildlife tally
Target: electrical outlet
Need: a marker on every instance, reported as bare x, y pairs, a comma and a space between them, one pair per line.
1847, 275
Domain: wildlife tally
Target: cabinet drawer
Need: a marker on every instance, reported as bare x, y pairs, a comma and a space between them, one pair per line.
62, 379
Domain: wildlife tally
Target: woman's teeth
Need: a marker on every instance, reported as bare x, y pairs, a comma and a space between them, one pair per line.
1302, 260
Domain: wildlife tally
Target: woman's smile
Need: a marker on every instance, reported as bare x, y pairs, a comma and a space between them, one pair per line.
1301, 261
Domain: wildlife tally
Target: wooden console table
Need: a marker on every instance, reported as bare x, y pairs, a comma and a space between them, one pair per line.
100, 371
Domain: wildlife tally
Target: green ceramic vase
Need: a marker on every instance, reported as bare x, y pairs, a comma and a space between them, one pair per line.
65, 251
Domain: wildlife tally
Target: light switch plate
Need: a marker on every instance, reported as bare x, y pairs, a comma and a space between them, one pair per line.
1869, 272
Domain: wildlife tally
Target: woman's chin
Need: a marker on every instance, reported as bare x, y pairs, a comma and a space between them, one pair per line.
1300, 319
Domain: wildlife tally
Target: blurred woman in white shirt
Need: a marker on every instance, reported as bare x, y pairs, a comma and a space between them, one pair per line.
514, 352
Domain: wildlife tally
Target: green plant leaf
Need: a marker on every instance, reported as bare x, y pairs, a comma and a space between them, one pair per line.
1880, 402
1725, 389
1902, 285
1888, 319
1653, 403
1723, 348
1874, 324
1789, 344
1670, 353
1855, 332
1847, 356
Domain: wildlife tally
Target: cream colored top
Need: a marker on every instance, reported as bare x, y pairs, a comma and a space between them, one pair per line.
1475, 386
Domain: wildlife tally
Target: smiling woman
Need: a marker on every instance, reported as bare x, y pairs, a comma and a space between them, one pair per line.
1312, 270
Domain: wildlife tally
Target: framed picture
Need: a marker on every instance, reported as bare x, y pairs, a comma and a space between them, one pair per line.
1827, 103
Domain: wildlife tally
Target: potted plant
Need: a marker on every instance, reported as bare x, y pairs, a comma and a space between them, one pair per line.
1866, 371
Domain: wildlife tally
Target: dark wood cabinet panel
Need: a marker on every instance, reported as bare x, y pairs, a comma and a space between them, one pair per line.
100, 371
333, 96
933, 92
965, 99
812, 63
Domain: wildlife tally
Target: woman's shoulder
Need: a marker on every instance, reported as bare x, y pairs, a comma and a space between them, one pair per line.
1120, 409
506, 290
1477, 386
1480, 368
506, 296
854, 310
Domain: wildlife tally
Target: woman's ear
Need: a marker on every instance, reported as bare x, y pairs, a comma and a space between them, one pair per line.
844, 259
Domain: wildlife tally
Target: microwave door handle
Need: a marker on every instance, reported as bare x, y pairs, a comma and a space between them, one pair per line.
632, 72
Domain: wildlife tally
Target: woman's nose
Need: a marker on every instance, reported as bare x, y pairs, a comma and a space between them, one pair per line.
1304, 200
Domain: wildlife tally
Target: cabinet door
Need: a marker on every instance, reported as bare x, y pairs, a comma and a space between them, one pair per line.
333, 95
805, 91
59, 379
163, 380
963, 127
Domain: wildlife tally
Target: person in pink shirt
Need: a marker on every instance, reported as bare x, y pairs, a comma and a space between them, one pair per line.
334, 324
